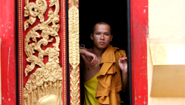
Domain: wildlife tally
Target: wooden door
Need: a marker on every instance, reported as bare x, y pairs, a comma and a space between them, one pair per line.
42, 52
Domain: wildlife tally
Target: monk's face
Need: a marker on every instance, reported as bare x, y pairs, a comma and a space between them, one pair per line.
101, 36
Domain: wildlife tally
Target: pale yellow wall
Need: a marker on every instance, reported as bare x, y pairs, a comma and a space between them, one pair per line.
167, 41
166, 18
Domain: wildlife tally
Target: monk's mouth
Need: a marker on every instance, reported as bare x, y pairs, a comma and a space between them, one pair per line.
101, 43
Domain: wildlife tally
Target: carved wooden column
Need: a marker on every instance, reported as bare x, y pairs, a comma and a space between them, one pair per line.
74, 58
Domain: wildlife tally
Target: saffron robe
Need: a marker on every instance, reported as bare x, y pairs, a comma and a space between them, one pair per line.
109, 77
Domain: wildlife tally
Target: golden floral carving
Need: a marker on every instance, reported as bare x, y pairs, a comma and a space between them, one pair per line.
74, 58
74, 3
47, 78
32, 10
75, 89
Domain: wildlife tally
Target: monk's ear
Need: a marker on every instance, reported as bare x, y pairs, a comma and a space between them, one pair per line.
91, 36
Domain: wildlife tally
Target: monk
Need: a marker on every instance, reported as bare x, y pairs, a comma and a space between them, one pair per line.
104, 68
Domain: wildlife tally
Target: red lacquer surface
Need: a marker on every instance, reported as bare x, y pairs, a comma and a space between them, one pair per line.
8, 69
139, 33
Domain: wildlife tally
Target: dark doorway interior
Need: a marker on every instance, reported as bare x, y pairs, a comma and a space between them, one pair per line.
112, 12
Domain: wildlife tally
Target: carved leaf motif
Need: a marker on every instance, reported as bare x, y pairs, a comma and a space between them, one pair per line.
47, 78
32, 10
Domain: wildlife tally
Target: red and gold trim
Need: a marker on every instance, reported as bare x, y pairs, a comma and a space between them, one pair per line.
64, 51
20, 50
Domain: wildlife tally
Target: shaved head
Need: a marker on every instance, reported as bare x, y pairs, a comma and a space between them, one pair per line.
100, 23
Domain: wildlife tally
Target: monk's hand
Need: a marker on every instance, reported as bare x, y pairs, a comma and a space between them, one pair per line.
123, 64
91, 58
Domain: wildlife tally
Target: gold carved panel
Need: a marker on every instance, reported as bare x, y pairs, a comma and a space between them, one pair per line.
42, 49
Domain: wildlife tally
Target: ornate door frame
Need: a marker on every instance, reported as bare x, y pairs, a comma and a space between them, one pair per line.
139, 33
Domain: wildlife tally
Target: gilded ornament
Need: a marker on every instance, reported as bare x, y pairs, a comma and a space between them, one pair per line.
45, 84
74, 58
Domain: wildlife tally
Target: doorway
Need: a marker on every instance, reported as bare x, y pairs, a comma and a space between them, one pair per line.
115, 14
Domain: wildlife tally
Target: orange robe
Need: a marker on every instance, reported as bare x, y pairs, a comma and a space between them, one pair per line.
109, 77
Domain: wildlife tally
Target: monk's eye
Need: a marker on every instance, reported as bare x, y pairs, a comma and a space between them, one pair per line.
98, 33
106, 33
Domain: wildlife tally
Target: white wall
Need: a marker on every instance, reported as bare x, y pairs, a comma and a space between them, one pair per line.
166, 18
166, 22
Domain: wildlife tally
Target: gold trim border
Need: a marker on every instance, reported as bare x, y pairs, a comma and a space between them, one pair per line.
64, 53
20, 53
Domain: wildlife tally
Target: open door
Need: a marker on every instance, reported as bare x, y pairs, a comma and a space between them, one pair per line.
113, 13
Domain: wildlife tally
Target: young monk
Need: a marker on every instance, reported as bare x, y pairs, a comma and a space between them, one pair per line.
104, 68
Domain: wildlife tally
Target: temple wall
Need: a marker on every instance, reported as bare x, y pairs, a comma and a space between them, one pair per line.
166, 54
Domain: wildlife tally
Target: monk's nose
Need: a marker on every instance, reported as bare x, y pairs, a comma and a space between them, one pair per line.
102, 37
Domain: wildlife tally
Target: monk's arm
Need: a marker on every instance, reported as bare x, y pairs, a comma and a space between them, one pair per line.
124, 80
90, 57
83, 51
123, 67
